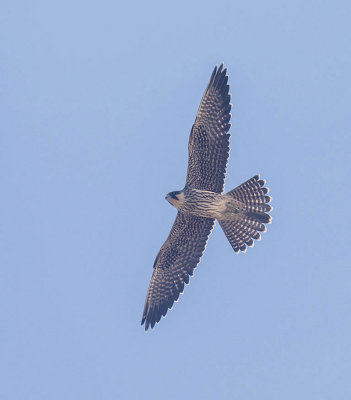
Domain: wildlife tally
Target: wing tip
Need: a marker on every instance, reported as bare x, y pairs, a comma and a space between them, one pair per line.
154, 317
219, 78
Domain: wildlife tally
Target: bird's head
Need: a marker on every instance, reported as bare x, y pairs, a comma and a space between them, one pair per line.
175, 198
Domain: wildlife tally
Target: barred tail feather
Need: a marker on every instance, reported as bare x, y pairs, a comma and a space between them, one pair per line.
244, 227
259, 217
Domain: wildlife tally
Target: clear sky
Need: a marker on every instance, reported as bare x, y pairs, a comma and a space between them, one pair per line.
97, 102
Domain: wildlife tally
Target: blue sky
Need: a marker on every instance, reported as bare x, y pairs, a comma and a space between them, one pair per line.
97, 102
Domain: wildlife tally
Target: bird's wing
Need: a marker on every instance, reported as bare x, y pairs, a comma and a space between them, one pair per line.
209, 140
175, 262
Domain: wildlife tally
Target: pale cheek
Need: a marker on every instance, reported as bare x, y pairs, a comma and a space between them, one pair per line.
175, 203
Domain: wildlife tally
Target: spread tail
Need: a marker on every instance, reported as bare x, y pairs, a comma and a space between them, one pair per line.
246, 225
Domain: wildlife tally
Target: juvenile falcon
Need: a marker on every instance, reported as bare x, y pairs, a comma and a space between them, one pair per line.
242, 212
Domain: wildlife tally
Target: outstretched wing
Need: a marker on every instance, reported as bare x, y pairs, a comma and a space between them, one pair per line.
175, 262
209, 140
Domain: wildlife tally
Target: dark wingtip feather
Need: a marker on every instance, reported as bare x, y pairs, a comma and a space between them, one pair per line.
219, 79
213, 75
153, 315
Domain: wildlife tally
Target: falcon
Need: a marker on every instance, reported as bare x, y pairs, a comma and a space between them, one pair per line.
241, 213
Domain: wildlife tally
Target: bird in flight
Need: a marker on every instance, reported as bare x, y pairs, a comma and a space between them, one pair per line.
241, 213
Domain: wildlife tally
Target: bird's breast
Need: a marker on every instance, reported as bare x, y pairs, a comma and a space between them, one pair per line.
203, 203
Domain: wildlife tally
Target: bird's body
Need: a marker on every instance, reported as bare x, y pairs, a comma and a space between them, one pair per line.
205, 203
241, 213
202, 203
